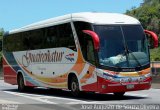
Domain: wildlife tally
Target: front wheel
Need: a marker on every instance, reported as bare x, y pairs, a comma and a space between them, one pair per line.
119, 94
74, 86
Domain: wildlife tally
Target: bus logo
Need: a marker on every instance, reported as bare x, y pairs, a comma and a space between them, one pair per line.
42, 57
70, 57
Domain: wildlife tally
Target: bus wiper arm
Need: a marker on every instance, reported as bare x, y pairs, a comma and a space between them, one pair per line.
130, 52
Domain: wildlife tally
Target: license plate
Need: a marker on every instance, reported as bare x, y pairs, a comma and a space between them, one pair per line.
130, 86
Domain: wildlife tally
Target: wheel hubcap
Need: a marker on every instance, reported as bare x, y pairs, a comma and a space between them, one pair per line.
74, 86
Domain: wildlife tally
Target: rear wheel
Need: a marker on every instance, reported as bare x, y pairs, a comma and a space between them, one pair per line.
74, 86
21, 85
119, 94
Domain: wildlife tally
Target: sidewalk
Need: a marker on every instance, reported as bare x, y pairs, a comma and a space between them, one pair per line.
156, 85
1, 77
156, 81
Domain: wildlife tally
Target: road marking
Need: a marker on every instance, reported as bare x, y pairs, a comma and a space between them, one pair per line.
40, 100
30, 97
44, 98
8, 102
137, 95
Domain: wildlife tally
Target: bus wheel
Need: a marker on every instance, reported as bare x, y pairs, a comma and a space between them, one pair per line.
119, 94
74, 86
21, 85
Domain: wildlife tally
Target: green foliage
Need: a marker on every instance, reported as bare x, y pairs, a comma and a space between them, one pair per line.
1, 32
149, 15
1, 35
155, 54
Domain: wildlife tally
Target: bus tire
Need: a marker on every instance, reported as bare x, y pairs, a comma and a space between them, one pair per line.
74, 86
119, 94
21, 85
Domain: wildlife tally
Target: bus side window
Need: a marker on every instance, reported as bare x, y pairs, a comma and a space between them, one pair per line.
85, 41
66, 37
6, 44
26, 43
51, 40
36, 38
90, 52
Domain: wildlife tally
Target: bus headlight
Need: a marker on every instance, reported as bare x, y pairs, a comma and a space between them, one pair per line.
140, 79
122, 80
148, 75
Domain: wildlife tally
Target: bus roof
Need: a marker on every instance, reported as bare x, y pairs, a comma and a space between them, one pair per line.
90, 17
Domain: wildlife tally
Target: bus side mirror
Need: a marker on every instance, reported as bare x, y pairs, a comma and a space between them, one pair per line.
154, 37
95, 38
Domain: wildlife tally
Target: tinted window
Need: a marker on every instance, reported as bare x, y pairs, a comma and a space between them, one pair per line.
80, 26
50, 37
36, 39
65, 36
85, 41
13, 43
60, 36
51, 40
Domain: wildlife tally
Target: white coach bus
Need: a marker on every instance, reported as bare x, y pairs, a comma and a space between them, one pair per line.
92, 52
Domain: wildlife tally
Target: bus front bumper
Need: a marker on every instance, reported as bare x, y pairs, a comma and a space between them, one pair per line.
106, 86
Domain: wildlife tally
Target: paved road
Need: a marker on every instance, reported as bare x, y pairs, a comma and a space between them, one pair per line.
44, 99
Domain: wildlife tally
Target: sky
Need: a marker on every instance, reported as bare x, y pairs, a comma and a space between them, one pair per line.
17, 13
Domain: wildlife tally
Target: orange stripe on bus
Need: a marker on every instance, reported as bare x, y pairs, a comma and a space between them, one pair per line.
87, 76
80, 63
146, 71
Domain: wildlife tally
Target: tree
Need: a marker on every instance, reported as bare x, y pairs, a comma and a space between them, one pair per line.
1, 36
1, 31
149, 16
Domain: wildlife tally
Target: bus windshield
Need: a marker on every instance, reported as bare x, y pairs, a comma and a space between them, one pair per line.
123, 46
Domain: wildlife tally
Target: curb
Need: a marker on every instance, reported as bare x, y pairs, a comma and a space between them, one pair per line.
155, 85
1, 76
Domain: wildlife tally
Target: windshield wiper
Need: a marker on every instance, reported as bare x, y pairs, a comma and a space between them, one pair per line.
127, 52
130, 52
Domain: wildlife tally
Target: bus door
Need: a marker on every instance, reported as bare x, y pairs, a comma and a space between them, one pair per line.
88, 51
